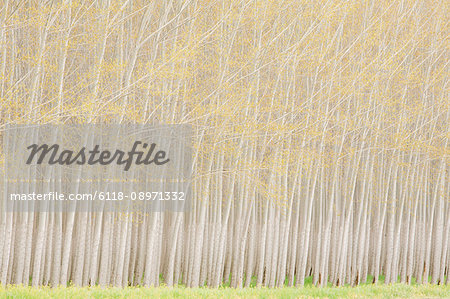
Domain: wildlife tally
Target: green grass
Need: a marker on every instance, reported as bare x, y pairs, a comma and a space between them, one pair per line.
362, 291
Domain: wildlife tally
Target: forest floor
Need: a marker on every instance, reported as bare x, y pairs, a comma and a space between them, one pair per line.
362, 291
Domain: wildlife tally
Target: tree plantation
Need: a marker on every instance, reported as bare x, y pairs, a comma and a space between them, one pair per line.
320, 139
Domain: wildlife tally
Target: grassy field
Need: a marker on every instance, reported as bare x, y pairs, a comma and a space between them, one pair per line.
362, 291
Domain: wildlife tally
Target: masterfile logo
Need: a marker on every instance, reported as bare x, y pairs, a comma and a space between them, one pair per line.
97, 167
94, 156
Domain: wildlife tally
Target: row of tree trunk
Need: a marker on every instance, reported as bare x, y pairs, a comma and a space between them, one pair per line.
339, 226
